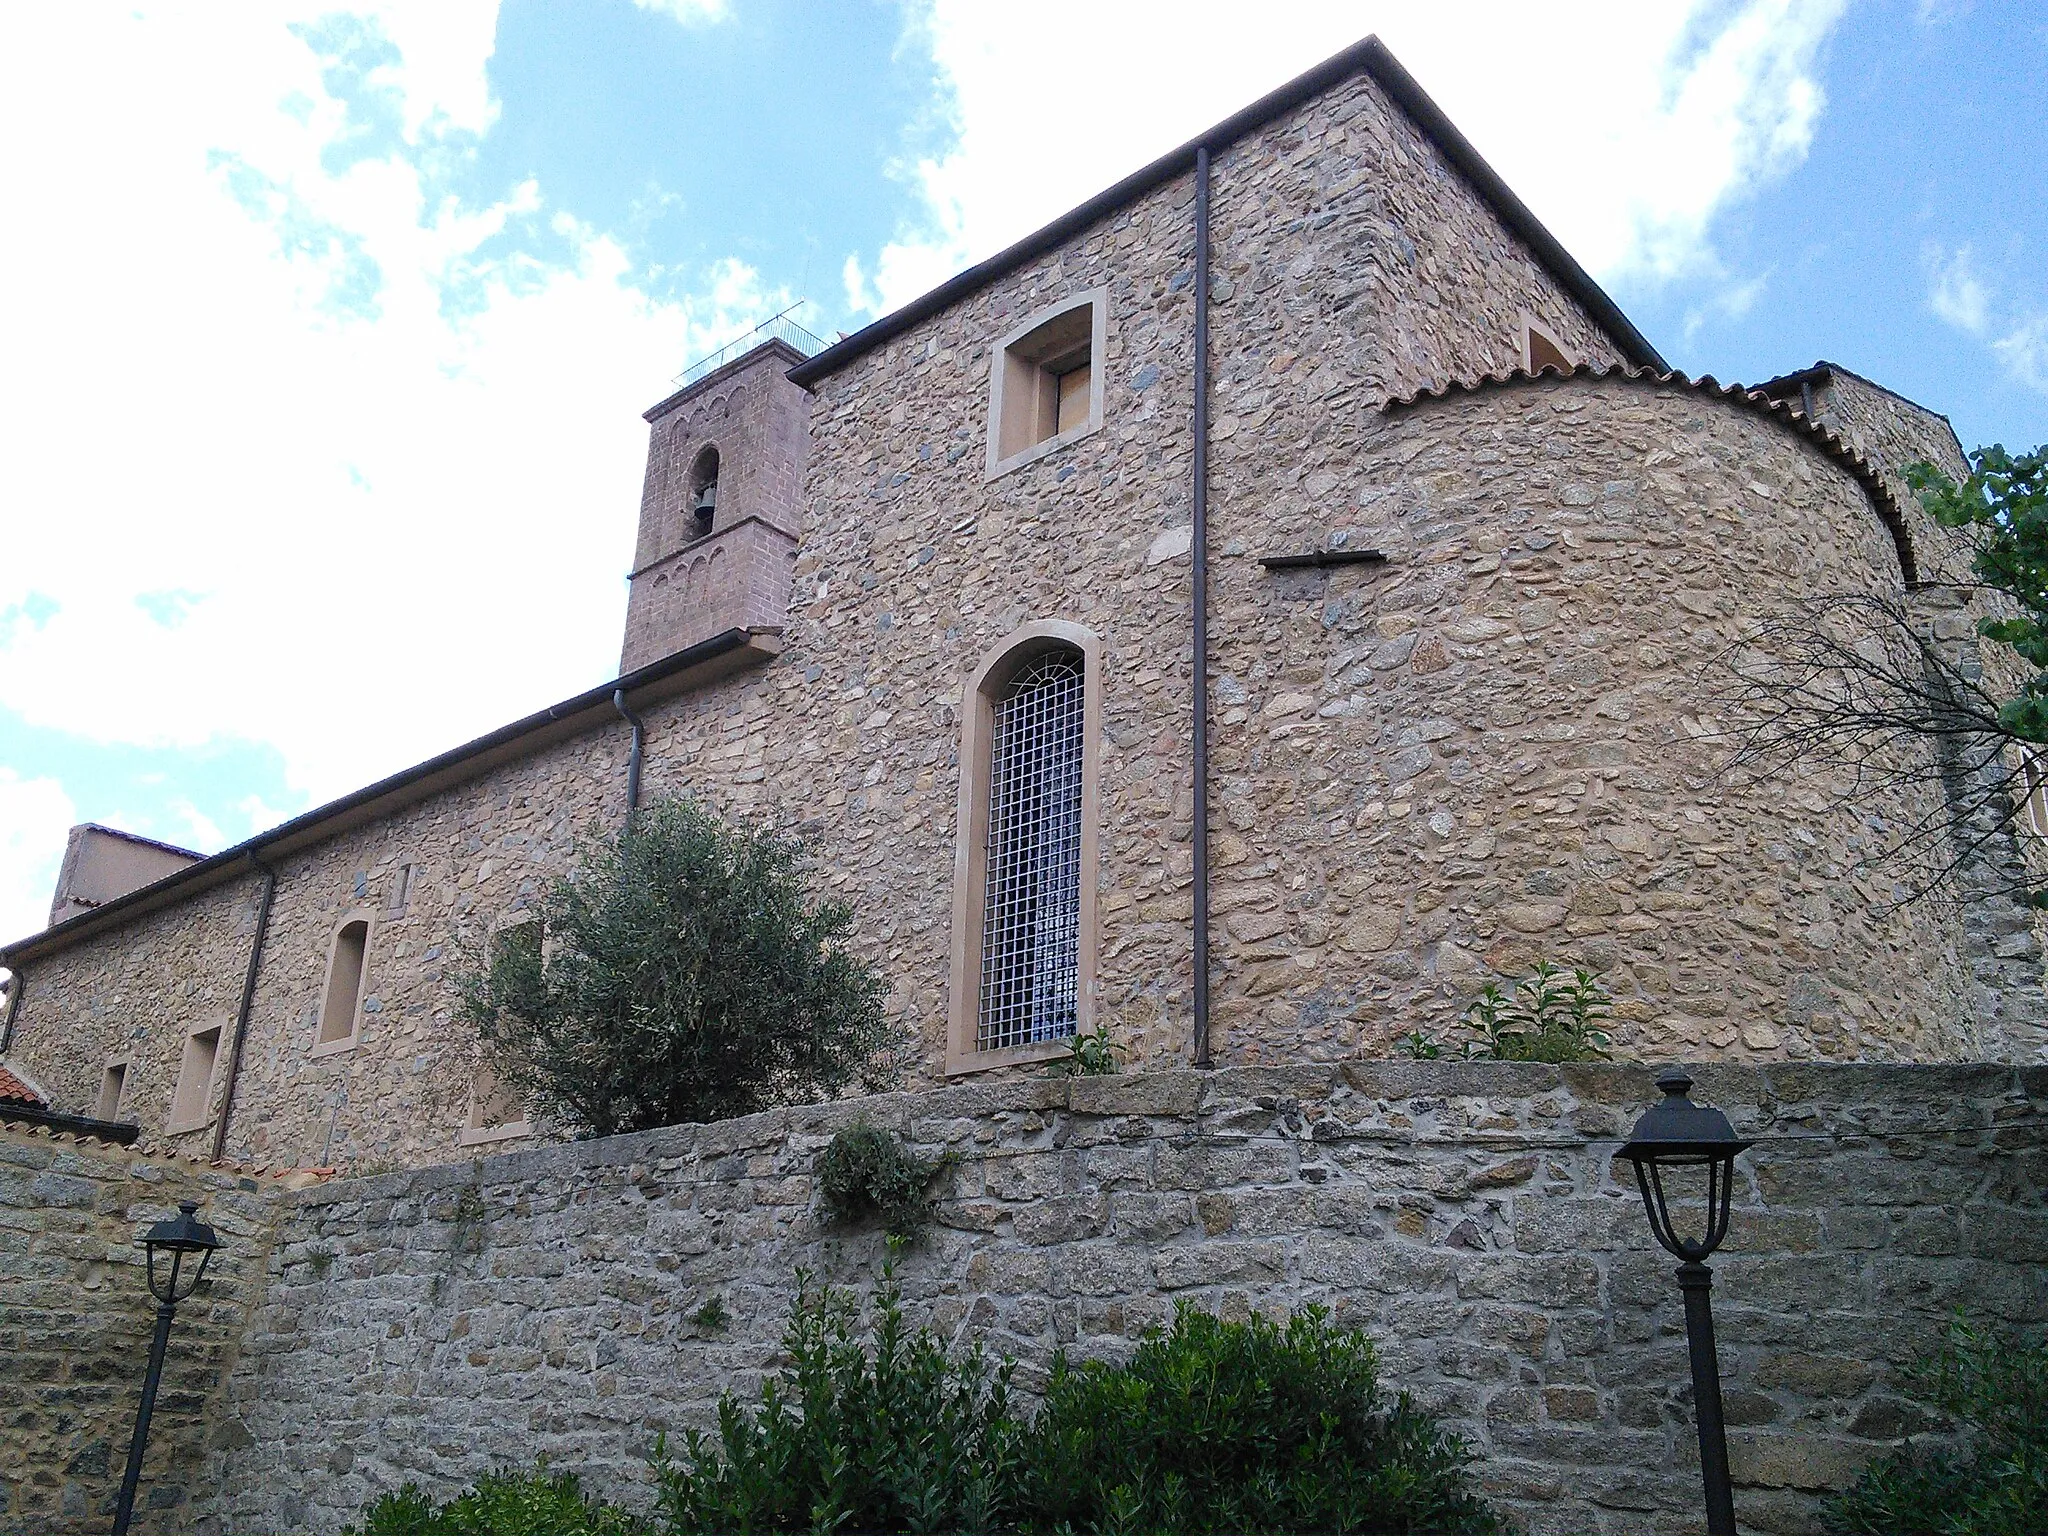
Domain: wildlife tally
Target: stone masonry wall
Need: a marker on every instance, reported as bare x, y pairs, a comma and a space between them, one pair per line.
431, 1325
1511, 741
76, 1319
2003, 939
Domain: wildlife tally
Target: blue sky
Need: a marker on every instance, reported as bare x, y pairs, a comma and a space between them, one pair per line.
331, 324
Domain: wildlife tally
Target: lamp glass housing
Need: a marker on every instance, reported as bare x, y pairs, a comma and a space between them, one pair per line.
1677, 1134
180, 1240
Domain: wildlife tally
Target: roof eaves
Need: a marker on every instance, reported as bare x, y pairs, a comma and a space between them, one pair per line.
1369, 56
424, 778
1821, 369
1828, 442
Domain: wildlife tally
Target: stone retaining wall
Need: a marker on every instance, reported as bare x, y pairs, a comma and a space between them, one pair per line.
75, 1323
429, 1325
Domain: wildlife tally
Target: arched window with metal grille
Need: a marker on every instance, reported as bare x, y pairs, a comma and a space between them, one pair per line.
1031, 916
1025, 929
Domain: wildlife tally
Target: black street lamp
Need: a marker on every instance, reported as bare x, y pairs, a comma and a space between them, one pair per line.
1673, 1134
179, 1238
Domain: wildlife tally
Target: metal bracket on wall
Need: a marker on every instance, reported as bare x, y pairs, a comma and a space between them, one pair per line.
1322, 557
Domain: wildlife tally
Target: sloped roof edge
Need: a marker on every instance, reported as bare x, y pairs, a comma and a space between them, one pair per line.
1369, 56
390, 794
1822, 368
1744, 396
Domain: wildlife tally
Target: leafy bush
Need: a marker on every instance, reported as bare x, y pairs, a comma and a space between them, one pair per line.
1228, 1427
502, 1504
866, 1171
1551, 1015
1213, 1427
686, 976
1998, 1486
908, 1436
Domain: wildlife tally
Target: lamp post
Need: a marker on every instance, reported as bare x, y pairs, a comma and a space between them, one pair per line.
1676, 1133
178, 1240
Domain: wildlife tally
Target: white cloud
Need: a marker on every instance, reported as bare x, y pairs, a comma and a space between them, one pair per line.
2024, 351
1626, 126
1958, 295
302, 450
689, 12
1972, 305
34, 816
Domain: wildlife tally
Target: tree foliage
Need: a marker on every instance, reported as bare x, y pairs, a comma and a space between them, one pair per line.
1996, 1482
2003, 504
1925, 743
683, 975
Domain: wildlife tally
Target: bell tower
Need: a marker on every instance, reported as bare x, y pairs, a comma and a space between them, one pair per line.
720, 512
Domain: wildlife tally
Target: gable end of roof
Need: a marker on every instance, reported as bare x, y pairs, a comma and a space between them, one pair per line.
1369, 57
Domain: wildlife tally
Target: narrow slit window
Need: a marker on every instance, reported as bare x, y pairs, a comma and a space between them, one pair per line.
112, 1081
2035, 773
194, 1092
1030, 945
704, 491
344, 983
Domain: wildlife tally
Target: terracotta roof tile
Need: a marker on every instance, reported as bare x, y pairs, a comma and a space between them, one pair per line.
15, 1090
1742, 395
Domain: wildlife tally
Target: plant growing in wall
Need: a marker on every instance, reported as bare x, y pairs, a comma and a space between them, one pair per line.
1551, 1015
687, 975
1094, 1055
866, 1172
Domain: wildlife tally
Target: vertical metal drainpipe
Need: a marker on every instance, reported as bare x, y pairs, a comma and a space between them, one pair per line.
1199, 555
632, 757
227, 1093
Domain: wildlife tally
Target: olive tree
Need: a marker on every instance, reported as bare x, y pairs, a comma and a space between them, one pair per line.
684, 974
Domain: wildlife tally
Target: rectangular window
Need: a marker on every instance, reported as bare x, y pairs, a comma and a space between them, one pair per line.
193, 1096
112, 1081
1044, 388
495, 1113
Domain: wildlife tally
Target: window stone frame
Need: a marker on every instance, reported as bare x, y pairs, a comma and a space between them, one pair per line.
1098, 300
340, 1044
995, 669
176, 1124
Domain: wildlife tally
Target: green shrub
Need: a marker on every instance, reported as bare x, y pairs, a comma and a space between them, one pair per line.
1229, 1427
866, 1171
906, 1436
502, 1504
1212, 1427
686, 976
1094, 1055
1997, 1485
1551, 1015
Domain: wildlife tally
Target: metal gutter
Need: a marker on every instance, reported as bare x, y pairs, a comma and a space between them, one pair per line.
1370, 57
120, 1132
227, 1094
671, 674
1199, 556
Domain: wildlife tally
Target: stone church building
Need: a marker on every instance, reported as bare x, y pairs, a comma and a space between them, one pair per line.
1246, 615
